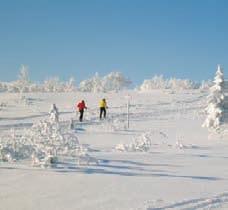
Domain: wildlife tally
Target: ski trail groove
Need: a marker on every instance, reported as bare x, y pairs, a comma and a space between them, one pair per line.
196, 204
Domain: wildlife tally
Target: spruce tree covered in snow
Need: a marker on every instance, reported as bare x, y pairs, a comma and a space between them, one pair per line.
215, 101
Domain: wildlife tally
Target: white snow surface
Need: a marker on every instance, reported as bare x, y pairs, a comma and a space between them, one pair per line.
167, 160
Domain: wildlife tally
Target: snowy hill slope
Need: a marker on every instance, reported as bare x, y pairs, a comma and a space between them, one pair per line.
182, 167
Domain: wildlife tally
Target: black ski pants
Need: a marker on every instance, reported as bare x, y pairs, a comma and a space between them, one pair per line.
81, 115
102, 112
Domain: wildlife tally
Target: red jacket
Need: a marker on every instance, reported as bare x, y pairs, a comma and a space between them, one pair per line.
81, 106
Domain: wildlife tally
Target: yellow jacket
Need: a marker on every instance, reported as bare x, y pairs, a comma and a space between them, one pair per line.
102, 104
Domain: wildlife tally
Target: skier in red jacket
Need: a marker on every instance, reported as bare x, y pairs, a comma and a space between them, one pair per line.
81, 106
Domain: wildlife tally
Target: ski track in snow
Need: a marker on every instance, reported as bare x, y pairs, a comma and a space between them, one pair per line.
215, 202
137, 111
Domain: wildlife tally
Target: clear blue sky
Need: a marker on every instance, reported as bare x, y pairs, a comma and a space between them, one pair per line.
179, 38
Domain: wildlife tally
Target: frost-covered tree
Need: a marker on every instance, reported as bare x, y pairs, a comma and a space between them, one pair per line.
21, 85
93, 84
23, 79
112, 82
53, 85
115, 81
159, 82
24, 74
215, 101
70, 85
86, 85
181, 84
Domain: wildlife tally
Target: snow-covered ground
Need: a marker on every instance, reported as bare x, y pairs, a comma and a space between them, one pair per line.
165, 160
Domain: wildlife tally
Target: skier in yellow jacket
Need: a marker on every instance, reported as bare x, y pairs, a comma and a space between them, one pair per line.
103, 107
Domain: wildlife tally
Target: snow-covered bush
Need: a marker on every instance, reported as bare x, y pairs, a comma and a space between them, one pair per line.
215, 101
14, 147
159, 82
143, 142
44, 143
50, 139
53, 141
140, 144
114, 81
